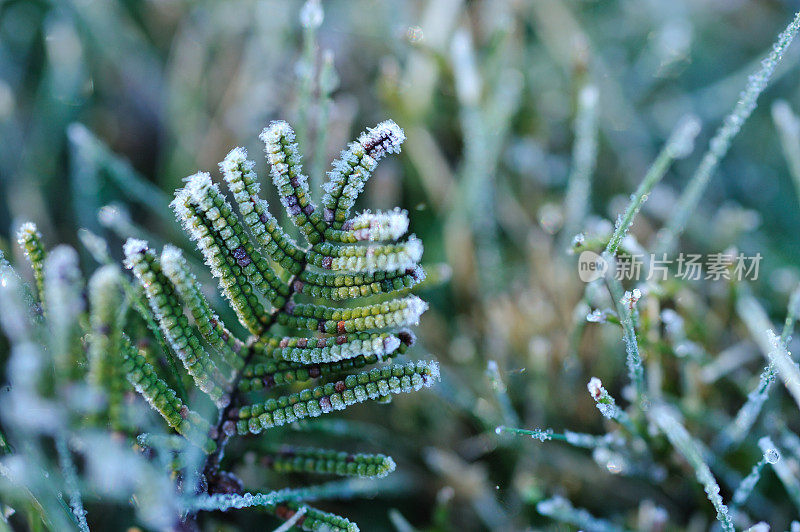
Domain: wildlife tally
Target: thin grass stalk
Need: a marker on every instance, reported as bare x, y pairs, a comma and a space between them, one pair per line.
720, 143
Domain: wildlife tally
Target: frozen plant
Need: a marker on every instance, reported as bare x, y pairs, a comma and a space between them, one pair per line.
300, 359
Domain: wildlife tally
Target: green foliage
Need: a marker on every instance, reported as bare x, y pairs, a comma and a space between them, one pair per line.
106, 302
260, 276
324, 461
30, 240
529, 124
355, 388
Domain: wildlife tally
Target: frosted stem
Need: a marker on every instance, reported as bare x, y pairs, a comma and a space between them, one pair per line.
679, 437
785, 468
633, 357
751, 313
745, 487
679, 145
608, 406
720, 143
773, 347
560, 509
788, 126
584, 160
501, 392
71, 482
576, 439
330, 490
536, 434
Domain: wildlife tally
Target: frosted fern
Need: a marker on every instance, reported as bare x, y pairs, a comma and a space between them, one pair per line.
217, 384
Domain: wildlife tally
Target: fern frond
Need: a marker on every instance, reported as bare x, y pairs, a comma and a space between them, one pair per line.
217, 216
30, 240
313, 402
340, 286
271, 373
243, 184
367, 259
327, 461
334, 349
164, 400
393, 313
230, 348
287, 176
354, 167
105, 339
63, 284
344, 364
312, 520
224, 265
173, 324
369, 226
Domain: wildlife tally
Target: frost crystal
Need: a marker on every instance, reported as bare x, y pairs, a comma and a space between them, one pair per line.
772, 455
597, 316
311, 14
631, 298
605, 403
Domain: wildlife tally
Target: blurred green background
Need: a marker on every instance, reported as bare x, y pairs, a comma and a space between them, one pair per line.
113, 102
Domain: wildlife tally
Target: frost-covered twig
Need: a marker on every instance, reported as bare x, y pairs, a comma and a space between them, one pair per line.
679, 145
771, 346
330, 490
664, 417
560, 509
584, 159
536, 434
785, 469
625, 305
608, 406
719, 145
788, 126
745, 487
755, 318
71, 483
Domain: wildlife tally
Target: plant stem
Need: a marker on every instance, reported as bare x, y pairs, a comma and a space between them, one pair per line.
679, 145
719, 145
